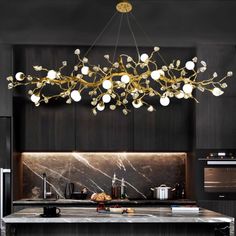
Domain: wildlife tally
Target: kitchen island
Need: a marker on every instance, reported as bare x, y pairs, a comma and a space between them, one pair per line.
146, 221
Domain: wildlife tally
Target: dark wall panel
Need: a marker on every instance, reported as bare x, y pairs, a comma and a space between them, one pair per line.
169, 128
215, 116
6, 69
45, 128
58, 126
168, 22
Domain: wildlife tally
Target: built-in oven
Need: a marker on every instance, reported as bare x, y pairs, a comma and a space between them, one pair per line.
216, 175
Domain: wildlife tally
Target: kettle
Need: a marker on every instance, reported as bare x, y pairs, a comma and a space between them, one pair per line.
161, 192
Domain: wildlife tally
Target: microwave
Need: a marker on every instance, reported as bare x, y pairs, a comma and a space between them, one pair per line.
216, 175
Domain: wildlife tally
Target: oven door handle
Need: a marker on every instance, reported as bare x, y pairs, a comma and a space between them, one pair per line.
221, 162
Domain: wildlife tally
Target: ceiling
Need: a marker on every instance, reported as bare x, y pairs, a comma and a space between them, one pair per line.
167, 22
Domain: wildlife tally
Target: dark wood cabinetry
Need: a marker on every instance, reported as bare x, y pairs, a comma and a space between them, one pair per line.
6, 69
215, 116
5, 142
167, 129
182, 126
62, 127
216, 127
45, 128
224, 207
107, 131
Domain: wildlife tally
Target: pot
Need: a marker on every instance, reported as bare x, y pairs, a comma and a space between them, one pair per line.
162, 192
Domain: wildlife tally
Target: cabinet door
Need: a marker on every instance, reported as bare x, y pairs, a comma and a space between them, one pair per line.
5, 142
6, 65
167, 129
216, 123
45, 128
107, 131
215, 116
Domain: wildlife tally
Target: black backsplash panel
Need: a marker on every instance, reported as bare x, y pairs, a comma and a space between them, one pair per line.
94, 171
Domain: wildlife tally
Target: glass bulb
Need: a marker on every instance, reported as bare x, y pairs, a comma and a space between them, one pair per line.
165, 101
155, 75
180, 94
106, 84
150, 109
144, 57
35, 98
75, 95
217, 92
125, 79
52, 74
100, 106
85, 70
106, 98
188, 88
20, 76
137, 103
189, 65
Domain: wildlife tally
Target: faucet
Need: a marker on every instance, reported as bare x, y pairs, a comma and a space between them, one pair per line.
45, 193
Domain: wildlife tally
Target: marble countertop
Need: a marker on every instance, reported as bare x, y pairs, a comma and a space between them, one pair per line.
74, 202
141, 215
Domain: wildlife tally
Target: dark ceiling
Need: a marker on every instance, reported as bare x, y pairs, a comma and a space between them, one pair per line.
78, 22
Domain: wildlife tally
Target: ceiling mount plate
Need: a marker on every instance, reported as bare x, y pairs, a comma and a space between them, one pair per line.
124, 7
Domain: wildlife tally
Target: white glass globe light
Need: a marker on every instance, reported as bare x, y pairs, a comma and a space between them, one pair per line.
155, 74
180, 94
125, 79
52, 74
217, 92
75, 95
144, 57
165, 101
189, 65
100, 106
20, 76
150, 109
188, 88
85, 70
106, 84
106, 98
137, 103
34, 98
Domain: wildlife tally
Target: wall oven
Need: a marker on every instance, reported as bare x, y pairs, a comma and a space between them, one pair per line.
216, 175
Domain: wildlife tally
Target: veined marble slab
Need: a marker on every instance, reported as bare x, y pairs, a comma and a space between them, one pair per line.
141, 215
94, 171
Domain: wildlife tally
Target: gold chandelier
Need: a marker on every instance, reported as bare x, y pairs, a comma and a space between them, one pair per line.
123, 81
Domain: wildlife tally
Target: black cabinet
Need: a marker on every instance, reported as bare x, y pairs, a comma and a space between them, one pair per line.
168, 129
215, 116
224, 207
45, 128
107, 131
6, 65
216, 127
5, 142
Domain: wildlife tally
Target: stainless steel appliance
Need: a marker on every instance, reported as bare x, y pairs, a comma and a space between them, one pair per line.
217, 175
